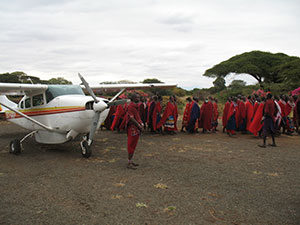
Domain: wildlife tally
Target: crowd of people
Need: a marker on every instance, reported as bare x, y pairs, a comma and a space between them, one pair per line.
151, 113
261, 116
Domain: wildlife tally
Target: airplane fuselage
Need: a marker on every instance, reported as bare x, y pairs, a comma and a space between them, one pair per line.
67, 115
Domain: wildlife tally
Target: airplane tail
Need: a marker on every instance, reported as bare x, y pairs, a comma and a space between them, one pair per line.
6, 101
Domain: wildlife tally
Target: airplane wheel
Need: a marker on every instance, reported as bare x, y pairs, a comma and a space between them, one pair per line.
15, 147
86, 150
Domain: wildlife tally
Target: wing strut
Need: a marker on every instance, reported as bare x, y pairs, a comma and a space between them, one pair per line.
29, 118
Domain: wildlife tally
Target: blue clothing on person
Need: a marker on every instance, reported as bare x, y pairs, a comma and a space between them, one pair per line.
195, 114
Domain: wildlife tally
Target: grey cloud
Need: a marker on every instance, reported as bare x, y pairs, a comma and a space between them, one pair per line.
177, 18
179, 22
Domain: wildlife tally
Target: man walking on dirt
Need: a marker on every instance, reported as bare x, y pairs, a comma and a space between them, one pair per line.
134, 126
268, 126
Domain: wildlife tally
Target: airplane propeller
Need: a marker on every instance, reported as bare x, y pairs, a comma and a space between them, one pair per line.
99, 106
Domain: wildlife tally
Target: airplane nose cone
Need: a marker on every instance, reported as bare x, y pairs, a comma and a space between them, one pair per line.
99, 106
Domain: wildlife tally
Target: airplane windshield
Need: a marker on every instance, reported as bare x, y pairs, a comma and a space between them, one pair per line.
54, 91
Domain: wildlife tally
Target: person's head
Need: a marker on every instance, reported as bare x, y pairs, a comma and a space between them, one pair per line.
189, 99
171, 99
295, 97
269, 96
263, 99
159, 98
134, 98
206, 100
174, 98
195, 99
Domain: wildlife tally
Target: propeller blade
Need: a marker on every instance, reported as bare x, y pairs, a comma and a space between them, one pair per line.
88, 88
93, 127
117, 95
117, 102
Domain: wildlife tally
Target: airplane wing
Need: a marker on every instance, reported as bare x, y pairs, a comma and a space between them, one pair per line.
105, 87
21, 89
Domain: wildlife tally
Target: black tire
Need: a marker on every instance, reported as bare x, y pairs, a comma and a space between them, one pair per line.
86, 150
15, 147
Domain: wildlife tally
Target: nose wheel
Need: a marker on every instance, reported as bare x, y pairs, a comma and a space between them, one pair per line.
86, 150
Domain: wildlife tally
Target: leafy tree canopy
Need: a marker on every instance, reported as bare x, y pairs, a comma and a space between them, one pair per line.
219, 85
59, 80
151, 80
21, 77
235, 84
263, 66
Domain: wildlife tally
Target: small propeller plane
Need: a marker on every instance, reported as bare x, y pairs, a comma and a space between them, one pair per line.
55, 114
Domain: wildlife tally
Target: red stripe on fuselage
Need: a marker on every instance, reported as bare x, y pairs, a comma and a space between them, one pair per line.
47, 112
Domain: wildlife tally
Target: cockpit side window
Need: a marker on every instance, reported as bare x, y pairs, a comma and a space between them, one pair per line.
21, 104
38, 100
27, 103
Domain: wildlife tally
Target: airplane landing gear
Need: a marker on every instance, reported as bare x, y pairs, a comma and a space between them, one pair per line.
15, 147
86, 150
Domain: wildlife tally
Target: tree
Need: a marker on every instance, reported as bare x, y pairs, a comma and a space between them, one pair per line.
8, 78
59, 80
236, 84
151, 80
219, 85
263, 66
18, 77
21, 77
289, 72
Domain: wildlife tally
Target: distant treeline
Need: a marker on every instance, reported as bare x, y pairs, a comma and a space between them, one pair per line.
278, 73
21, 77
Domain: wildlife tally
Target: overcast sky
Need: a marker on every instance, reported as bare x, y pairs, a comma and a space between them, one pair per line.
171, 40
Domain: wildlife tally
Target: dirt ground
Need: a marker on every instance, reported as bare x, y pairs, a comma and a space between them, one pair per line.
182, 179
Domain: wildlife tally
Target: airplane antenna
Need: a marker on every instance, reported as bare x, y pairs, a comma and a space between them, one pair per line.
30, 80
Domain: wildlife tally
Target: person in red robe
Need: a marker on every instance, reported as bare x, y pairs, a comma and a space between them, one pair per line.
268, 124
249, 112
151, 107
156, 116
289, 107
256, 125
215, 115
142, 111
176, 111
120, 111
284, 123
231, 124
206, 115
241, 115
225, 113
255, 107
168, 118
298, 112
109, 119
186, 114
295, 113
134, 126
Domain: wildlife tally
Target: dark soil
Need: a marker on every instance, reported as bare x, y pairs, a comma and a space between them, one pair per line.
182, 179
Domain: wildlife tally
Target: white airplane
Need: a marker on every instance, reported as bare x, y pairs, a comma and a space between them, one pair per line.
56, 114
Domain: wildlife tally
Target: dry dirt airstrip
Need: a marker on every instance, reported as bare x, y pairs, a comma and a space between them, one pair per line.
182, 179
